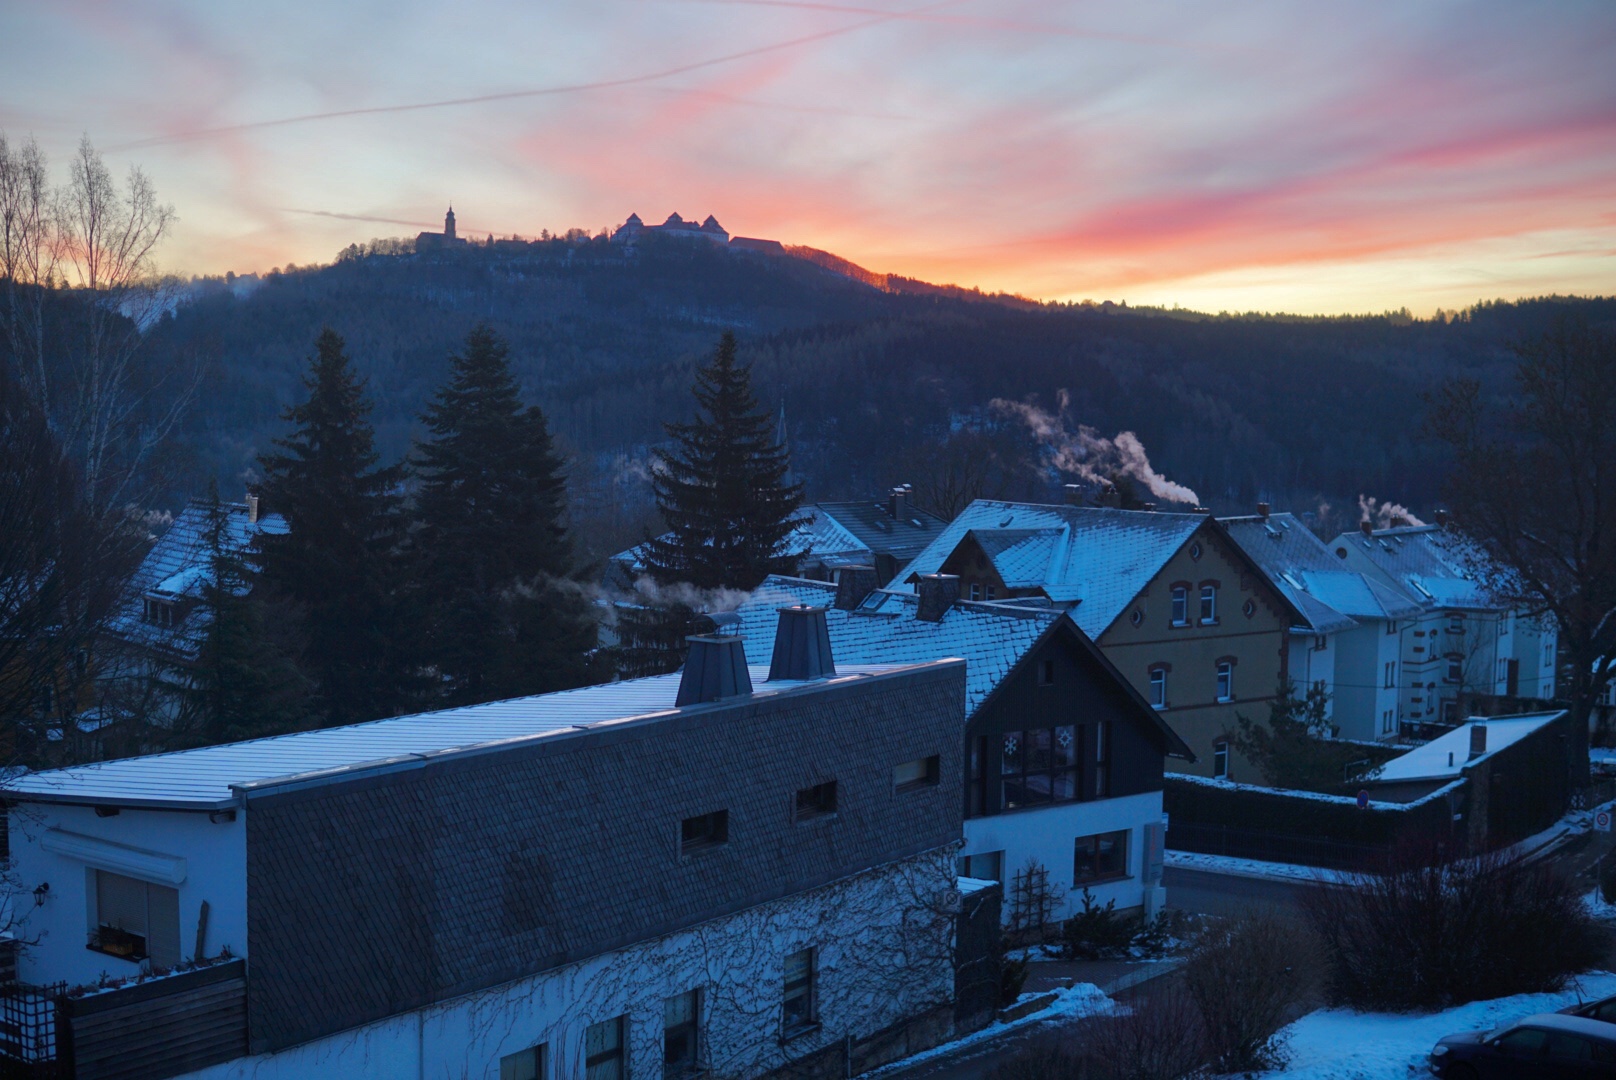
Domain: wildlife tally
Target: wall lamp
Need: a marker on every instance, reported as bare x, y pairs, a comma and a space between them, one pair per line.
40, 893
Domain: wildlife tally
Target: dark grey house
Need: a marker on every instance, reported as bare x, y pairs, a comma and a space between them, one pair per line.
707, 871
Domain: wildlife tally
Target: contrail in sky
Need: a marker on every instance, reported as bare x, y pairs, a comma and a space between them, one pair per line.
361, 217
513, 95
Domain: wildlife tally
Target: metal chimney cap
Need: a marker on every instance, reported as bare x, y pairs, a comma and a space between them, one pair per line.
714, 669
801, 645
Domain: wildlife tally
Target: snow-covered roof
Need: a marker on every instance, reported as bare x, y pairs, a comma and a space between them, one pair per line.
1096, 558
1330, 594
1431, 566
203, 778
1447, 756
990, 638
177, 567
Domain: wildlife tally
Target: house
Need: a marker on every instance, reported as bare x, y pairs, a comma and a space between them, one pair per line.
706, 871
1350, 639
162, 622
1064, 757
1177, 606
1465, 641
833, 535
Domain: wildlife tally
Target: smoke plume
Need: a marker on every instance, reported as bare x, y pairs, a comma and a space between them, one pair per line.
1385, 515
1086, 454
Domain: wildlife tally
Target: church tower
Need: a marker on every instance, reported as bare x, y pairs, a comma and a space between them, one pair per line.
448, 225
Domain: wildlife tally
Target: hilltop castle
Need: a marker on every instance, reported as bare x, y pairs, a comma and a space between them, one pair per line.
677, 227
429, 241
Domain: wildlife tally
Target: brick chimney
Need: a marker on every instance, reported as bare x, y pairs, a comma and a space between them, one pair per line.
801, 645
1442, 519
252, 509
853, 584
1367, 528
1074, 494
714, 669
937, 594
898, 502
1478, 739
1263, 510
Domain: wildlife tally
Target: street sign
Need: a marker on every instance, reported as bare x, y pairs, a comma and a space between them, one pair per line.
1602, 821
1363, 798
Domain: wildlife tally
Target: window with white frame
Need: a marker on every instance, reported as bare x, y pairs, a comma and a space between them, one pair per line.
135, 920
1391, 626
1209, 605
1101, 857
1225, 680
1181, 605
976, 590
1455, 671
986, 866
1220, 760
1388, 722
1158, 687
1455, 624
1391, 675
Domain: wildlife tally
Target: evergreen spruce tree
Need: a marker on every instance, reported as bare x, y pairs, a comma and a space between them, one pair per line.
243, 682
729, 505
503, 617
339, 562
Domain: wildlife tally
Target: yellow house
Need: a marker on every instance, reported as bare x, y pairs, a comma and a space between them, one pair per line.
1178, 607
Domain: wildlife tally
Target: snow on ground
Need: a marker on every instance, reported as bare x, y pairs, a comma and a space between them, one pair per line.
1084, 999
1340, 1044
1228, 864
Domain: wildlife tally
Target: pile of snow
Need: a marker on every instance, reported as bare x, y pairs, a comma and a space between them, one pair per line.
1340, 1044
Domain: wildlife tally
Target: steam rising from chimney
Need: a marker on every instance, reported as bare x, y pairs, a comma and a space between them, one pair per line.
1087, 454
1385, 515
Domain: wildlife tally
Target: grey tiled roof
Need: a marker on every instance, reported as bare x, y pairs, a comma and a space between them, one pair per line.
1429, 565
1097, 558
874, 527
990, 638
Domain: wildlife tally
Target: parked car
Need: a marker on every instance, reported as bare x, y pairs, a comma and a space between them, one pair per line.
1552, 1046
1603, 1009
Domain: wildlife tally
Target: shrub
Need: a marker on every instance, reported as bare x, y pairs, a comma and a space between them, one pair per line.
1607, 882
1096, 932
1427, 934
1158, 1038
1012, 977
1248, 978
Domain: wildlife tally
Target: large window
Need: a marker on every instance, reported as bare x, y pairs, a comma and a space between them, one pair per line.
813, 802
800, 1010
1181, 605
919, 773
1158, 687
1102, 857
603, 1050
523, 1065
1225, 680
681, 1036
987, 866
1209, 605
1037, 766
136, 920
703, 832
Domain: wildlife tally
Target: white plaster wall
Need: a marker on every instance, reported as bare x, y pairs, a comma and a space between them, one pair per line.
1362, 654
216, 864
885, 953
1306, 666
1047, 835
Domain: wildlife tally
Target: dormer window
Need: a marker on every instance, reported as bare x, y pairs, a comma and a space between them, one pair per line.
159, 611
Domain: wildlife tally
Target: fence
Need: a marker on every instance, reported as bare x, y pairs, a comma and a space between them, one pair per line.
1275, 847
28, 1025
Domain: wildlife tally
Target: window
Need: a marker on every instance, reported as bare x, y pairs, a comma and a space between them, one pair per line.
1391, 627
1181, 606
976, 590
1209, 604
1136, 616
977, 790
1225, 680
1037, 766
1102, 759
1455, 624
1249, 608
523, 1065
988, 866
993, 592
1455, 669
603, 1050
1450, 712
799, 1012
1103, 857
681, 1036
1563, 1046
1524, 1041
919, 773
1388, 722
1220, 760
1046, 672
813, 802
1391, 675
136, 920
1195, 551
1320, 643
160, 612
1158, 687
705, 831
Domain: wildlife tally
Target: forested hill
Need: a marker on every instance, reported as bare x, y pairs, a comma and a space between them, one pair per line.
879, 385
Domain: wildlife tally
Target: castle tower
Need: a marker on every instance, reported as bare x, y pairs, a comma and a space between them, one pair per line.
448, 225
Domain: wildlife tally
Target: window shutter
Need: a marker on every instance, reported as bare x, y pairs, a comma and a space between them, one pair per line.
120, 902
163, 933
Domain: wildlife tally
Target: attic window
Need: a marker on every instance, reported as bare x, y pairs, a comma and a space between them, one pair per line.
1195, 550
1249, 608
1136, 616
160, 612
1341, 553
703, 832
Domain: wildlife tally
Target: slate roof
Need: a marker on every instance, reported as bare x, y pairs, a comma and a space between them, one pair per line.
1096, 558
1429, 565
1329, 595
177, 567
203, 778
990, 638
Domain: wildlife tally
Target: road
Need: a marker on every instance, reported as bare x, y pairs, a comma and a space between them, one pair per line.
1207, 893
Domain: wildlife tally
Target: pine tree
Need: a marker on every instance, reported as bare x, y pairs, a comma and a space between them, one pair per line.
723, 489
339, 562
503, 616
729, 505
243, 682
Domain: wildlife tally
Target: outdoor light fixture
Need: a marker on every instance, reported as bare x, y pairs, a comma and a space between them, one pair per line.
40, 893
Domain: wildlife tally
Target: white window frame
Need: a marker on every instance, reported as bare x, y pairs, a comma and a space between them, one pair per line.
1225, 680
1158, 687
1209, 605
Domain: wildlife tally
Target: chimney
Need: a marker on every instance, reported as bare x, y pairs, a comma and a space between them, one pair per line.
937, 594
1478, 739
1367, 527
1074, 494
252, 509
715, 669
898, 502
853, 584
1263, 510
801, 645
1442, 519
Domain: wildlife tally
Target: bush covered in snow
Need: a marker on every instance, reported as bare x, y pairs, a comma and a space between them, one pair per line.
1428, 934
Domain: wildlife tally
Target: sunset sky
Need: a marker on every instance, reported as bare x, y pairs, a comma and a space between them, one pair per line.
1242, 156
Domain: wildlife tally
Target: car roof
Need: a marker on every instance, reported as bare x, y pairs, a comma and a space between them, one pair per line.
1576, 1025
1584, 1006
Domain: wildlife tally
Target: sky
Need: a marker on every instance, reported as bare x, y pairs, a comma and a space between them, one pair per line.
1240, 156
